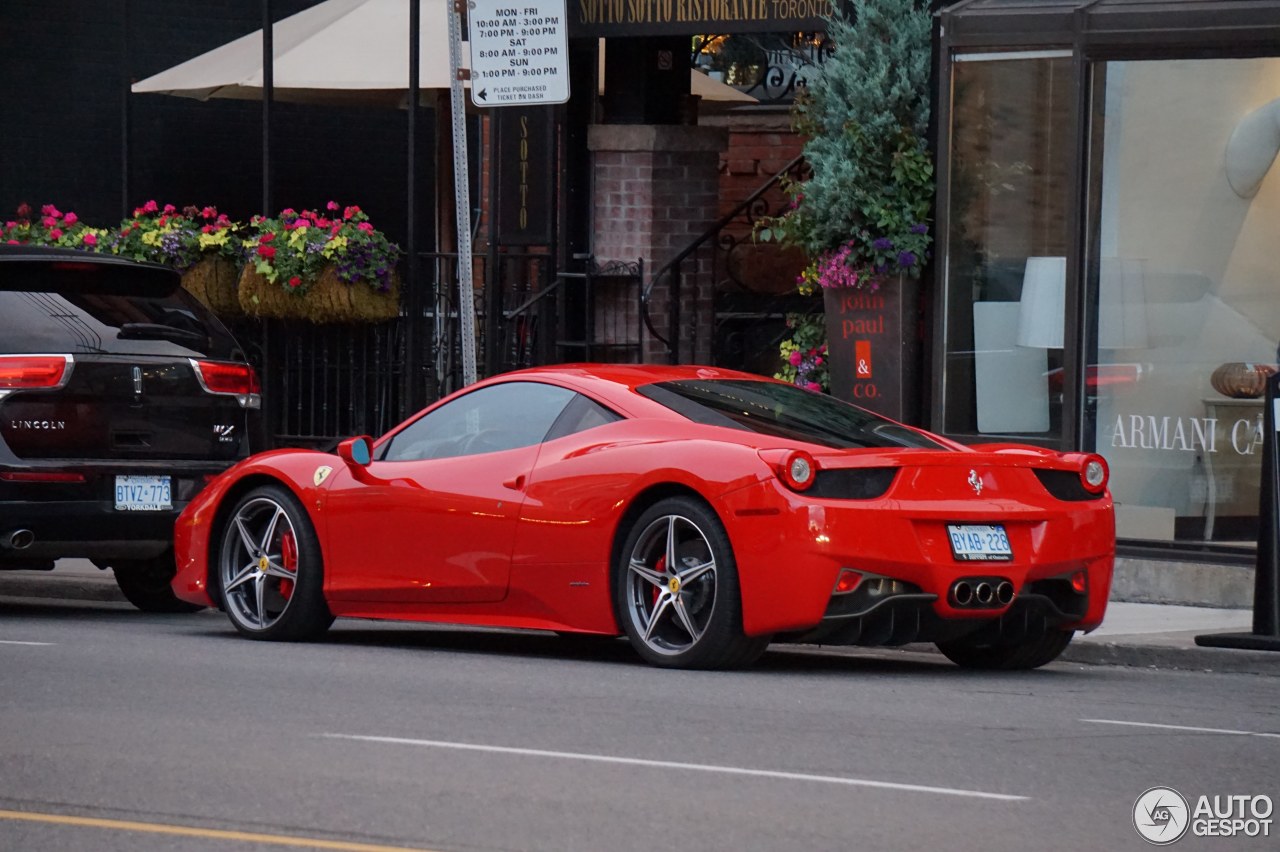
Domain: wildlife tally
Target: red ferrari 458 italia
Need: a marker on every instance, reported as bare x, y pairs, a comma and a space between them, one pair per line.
701, 512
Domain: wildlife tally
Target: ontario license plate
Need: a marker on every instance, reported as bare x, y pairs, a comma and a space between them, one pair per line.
979, 542
143, 493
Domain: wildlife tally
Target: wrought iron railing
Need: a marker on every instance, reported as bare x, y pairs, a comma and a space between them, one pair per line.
725, 300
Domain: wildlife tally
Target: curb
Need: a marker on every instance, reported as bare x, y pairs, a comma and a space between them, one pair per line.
1171, 657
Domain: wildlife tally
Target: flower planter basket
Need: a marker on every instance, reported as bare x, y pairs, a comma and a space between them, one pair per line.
873, 346
328, 300
215, 281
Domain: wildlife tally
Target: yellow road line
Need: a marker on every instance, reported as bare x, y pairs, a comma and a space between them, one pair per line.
208, 833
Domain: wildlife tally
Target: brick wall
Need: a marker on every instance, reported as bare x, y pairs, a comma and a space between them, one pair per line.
656, 190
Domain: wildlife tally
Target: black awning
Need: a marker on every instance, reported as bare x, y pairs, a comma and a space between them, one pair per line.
1187, 27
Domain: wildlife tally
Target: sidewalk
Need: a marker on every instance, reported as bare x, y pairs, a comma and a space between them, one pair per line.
1157, 636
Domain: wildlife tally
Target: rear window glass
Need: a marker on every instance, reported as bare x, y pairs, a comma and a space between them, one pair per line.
783, 411
79, 308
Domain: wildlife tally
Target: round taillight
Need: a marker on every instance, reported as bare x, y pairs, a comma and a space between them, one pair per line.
798, 470
1094, 474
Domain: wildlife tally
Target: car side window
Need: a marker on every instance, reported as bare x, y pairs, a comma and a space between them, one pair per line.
580, 415
494, 418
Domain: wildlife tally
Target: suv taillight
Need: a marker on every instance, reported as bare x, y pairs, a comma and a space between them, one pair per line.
24, 372
232, 379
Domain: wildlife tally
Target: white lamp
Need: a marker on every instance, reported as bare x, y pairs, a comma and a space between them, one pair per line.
1044, 297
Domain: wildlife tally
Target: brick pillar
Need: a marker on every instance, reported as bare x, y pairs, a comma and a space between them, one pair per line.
656, 189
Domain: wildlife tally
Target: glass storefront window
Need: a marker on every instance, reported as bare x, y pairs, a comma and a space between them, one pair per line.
1184, 282
1011, 146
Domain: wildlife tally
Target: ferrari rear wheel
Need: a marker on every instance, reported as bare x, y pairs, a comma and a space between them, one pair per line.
269, 568
676, 590
1032, 653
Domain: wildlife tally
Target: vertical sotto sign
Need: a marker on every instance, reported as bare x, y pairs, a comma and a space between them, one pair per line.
524, 138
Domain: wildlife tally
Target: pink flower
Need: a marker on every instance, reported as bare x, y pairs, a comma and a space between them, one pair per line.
169, 208
90, 239
796, 358
150, 207
50, 210
49, 221
365, 226
266, 238
813, 386
70, 219
206, 229
10, 225
336, 227
267, 251
817, 362
14, 243
295, 281
209, 213
56, 234
350, 211
332, 205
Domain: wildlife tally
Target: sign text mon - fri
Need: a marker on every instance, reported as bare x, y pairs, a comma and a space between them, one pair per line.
519, 52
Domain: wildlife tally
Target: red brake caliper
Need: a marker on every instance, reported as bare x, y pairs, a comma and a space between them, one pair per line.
289, 556
661, 567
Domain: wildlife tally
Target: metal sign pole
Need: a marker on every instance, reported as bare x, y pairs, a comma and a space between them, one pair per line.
1266, 589
462, 199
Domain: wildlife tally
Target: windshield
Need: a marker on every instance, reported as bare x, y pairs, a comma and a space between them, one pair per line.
784, 411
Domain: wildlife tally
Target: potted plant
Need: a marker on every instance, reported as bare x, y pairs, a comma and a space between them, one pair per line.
862, 217
51, 228
201, 243
324, 267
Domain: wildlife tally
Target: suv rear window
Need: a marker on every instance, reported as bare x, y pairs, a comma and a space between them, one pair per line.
105, 307
784, 411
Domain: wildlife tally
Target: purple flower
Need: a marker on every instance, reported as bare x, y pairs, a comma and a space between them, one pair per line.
906, 258
920, 229
882, 244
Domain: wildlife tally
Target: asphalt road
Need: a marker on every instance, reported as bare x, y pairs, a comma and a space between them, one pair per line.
119, 730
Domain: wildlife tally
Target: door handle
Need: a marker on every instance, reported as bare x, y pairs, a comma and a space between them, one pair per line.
516, 484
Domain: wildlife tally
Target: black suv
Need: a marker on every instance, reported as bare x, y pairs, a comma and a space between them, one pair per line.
120, 397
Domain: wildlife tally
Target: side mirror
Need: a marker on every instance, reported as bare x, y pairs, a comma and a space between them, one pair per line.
356, 451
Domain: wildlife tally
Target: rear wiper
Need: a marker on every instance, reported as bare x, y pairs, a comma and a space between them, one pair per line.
156, 331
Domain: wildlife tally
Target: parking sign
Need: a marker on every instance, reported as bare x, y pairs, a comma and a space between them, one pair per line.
519, 52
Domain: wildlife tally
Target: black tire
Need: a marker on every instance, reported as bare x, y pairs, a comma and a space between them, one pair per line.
690, 616
271, 588
1032, 653
145, 583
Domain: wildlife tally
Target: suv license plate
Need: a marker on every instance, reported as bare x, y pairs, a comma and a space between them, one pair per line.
977, 543
143, 493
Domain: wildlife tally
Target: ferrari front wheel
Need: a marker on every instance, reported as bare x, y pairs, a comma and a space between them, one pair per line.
1031, 653
270, 574
676, 590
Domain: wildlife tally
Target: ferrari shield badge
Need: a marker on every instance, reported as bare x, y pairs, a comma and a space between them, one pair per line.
322, 473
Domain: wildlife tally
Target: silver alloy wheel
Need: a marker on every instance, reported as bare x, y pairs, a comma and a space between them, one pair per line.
258, 565
671, 585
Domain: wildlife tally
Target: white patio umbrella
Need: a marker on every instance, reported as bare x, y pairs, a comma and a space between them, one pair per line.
343, 51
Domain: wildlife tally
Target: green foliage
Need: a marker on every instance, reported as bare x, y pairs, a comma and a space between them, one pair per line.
293, 248
863, 215
177, 238
804, 352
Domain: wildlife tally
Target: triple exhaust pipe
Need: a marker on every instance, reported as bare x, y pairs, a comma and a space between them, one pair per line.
981, 593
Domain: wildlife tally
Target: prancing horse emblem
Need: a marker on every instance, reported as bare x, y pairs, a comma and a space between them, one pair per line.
974, 482
322, 473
